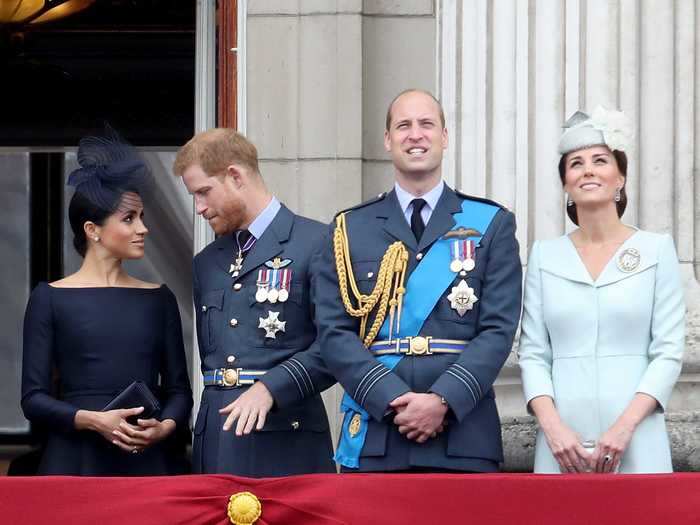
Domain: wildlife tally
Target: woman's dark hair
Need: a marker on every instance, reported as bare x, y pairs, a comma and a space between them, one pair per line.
81, 210
621, 160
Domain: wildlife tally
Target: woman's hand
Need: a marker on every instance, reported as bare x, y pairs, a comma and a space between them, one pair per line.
611, 446
135, 438
563, 442
105, 423
613, 443
566, 448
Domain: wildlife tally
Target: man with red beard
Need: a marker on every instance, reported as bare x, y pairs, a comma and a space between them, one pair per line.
261, 412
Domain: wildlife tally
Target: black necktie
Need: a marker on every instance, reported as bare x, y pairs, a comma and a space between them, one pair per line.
417, 225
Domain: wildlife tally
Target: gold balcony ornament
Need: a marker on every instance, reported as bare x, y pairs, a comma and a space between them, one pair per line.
244, 508
39, 11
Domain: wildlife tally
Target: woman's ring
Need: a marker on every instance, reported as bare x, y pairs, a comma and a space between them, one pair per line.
607, 457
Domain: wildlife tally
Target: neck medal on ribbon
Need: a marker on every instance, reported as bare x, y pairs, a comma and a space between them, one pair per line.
237, 264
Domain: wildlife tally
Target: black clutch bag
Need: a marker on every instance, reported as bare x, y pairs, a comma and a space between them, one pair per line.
137, 394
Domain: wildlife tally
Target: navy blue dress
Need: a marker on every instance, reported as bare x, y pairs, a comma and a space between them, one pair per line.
99, 340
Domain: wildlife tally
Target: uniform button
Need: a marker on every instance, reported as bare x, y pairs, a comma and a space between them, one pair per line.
237, 286
233, 322
231, 359
295, 425
204, 308
370, 275
419, 256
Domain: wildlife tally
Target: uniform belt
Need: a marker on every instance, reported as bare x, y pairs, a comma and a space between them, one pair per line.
231, 377
419, 345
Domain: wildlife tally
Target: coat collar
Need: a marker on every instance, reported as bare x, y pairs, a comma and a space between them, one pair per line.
560, 257
266, 247
441, 220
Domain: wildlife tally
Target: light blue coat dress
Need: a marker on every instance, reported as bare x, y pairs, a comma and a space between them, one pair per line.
591, 345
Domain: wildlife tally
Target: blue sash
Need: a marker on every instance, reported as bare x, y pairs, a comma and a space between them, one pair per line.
426, 284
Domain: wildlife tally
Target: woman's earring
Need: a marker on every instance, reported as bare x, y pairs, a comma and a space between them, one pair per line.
96, 238
618, 195
569, 201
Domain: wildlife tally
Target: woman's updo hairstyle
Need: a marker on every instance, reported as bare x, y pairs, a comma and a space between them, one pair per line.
109, 168
602, 128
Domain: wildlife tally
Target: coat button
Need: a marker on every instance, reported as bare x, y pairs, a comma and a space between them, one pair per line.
233, 322
419, 256
237, 286
231, 359
370, 275
204, 308
295, 425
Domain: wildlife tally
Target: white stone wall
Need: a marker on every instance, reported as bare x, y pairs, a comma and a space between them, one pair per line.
512, 71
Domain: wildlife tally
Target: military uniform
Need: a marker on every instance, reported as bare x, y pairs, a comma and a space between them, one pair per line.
481, 331
243, 339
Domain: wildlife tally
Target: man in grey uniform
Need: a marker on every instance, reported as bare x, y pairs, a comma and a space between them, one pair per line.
261, 412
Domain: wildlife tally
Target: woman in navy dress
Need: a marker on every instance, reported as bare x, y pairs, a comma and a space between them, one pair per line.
100, 329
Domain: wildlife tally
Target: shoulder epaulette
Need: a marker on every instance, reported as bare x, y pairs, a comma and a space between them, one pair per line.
481, 199
363, 204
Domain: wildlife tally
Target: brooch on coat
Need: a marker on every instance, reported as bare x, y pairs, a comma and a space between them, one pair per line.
628, 261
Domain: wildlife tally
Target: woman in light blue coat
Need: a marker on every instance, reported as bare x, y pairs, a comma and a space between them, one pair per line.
603, 324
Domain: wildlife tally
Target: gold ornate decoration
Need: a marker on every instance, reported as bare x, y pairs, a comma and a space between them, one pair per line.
388, 290
230, 377
244, 508
355, 425
462, 233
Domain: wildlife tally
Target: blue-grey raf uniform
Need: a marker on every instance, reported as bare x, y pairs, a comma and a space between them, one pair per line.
472, 439
234, 351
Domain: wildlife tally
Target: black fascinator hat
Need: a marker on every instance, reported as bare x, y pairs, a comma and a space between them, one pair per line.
109, 167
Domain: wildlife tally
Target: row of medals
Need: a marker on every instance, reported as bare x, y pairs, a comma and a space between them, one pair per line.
462, 255
278, 292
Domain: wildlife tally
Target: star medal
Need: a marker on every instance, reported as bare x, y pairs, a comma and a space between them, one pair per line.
285, 283
271, 324
462, 298
263, 284
273, 292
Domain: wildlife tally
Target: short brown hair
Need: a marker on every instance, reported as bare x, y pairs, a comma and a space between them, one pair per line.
215, 150
414, 90
621, 160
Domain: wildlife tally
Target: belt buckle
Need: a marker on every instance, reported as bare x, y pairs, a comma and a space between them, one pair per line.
419, 345
230, 376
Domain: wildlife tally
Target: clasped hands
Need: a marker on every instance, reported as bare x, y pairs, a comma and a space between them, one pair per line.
419, 416
113, 427
573, 457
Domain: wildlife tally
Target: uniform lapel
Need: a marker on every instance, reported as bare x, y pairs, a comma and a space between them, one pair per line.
441, 220
271, 242
395, 223
226, 251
